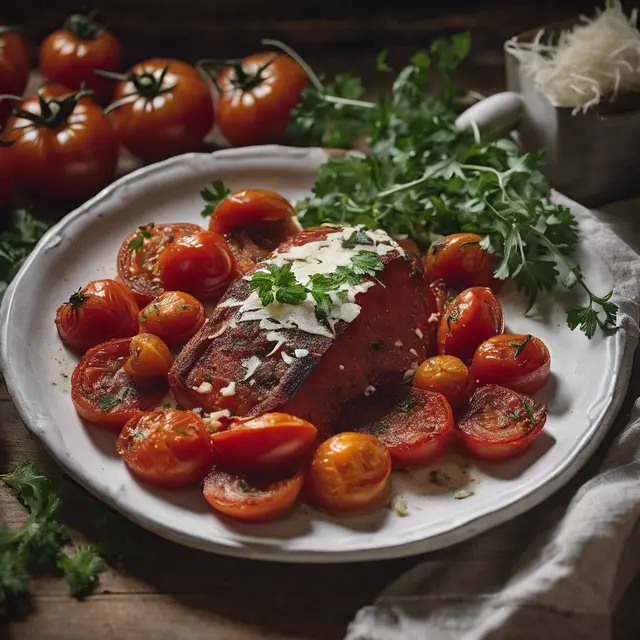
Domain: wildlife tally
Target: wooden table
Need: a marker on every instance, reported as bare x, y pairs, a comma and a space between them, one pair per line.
166, 591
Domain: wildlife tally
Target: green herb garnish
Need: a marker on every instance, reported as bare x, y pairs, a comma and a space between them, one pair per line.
143, 232
515, 415
378, 427
213, 196
244, 486
519, 346
356, 238
377, 345
82, 570
529, 406
107, 402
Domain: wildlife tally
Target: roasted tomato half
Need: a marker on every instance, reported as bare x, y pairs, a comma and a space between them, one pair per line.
516, 361
138, 257
252, 498
167, 448
254, 222
173, 316
100, 311
104, 394
149, 357
500, 423
472, 317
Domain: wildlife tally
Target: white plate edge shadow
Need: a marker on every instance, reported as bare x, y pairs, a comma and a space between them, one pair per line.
534, 495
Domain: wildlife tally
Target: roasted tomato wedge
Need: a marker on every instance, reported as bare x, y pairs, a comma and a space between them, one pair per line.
415, 425
173, 316
459, 260
138, 257
269, 442
104, 394
257, 95
200, 264
500, 423
446, 375
254, 222
349, 473
516, 361
101, 310
252, 498
167, 448
472, 317
149, 357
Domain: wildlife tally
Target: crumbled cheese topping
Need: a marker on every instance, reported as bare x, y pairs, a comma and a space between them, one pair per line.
229, 390
287, 358
341, 367
301, 353
433, 318
251, 365
413, 352
205, 387
419, 333
398, 343
369, 390
400, 506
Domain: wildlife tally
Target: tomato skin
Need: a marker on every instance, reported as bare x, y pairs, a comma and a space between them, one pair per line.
100, 311
269, 442
138, 268
99, 378
149, 357
14, 69
70, 161
497, 425
263, 116
174, 316
443, 293
475, 315
495, 362
200, 264
349, 473
174, 122
7, 177
252, 499
446, 375
464, 266
254, 222
70, 60
167, 448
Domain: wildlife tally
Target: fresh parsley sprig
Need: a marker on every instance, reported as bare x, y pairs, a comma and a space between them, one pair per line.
213, 196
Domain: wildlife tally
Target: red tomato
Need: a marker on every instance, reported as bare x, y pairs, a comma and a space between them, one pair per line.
7, 178
254, 222
14, 67
252, 498
149, 357
169, 111
472, 317
101, 310
173, 316
200, 264
269, 442
443, 294
167, 448
69, 151
104, 394
458, 259
446, 375
257, 97
500, 423
417, 428
515, 361
138, 257
349, 472
71, 54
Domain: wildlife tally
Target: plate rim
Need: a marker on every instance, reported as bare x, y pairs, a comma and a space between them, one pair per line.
584, 448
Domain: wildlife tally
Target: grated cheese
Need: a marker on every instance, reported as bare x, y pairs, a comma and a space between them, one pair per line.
229, 390
251, 365
205, 387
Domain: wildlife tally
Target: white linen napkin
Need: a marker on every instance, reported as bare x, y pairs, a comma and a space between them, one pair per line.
559, 570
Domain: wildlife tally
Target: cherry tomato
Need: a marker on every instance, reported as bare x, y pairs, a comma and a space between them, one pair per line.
200, 264
101, 310
70, 55
68, 151
173, 316
416, 428
254, 222
446, 375
458, 259
257, 96
349, 472
149, 357
472, 317
169, 111
443, 294
500, 423
167, 448
516, 361
252, 498
104, 394
138, 257
266, 443
14, 67
7, 177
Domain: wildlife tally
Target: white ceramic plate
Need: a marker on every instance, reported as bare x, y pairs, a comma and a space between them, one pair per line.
83, 247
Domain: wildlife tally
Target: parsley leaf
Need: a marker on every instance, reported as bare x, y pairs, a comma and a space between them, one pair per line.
291, 294
366, 263
357, 237
82, 570
519, 346
213, 196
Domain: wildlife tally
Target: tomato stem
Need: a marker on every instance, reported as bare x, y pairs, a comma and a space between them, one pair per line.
315, 81
4, 29
84, 25
54, 111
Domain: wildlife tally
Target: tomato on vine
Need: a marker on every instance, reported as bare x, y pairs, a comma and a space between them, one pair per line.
14, 67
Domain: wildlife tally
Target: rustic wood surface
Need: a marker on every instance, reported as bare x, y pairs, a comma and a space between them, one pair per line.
167, 591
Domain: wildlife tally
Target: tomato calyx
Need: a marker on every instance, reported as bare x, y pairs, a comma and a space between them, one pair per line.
84, 26
5, 29
241, 79
53, 111
77, 299
147, 85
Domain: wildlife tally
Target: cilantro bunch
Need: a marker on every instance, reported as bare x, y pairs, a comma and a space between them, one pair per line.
423, 178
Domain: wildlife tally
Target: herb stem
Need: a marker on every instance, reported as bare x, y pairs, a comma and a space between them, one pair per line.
315, 81
348, 102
